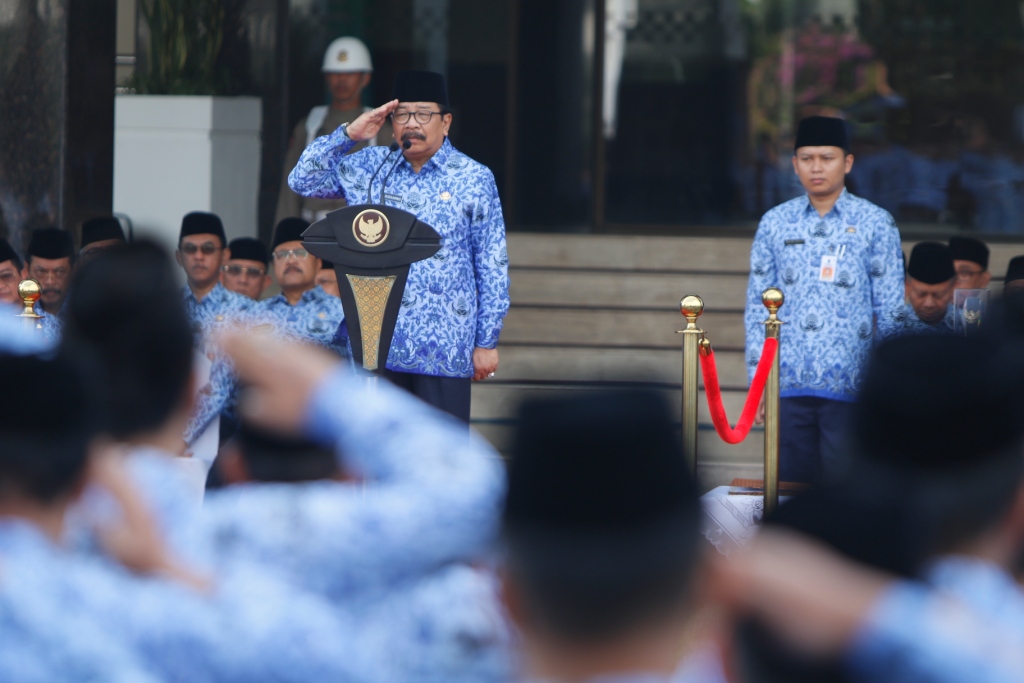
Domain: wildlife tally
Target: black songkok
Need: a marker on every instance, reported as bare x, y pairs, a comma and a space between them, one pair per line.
598, 483
822, 131
289, 230
327, 265
51, 243
101, 228
7, 252
1015, 271
931, 263
934, 403
202, 223
250, 249
969, 249
420, 86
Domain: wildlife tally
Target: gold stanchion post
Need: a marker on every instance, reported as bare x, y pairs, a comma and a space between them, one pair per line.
772, 299
691, 306
30, 291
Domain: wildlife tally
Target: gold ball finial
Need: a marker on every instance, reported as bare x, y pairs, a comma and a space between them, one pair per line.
691, 306
772, 298
29, 291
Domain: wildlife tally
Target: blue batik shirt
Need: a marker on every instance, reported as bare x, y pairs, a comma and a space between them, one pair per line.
16, 337
52, 325
249, 627
830, 326
316, 317
966, 624
906, 322
456, 300
218, 310
385, 551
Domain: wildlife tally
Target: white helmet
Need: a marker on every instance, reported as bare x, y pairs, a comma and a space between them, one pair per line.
345, 55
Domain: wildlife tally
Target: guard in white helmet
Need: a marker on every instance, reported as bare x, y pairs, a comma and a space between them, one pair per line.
347, 70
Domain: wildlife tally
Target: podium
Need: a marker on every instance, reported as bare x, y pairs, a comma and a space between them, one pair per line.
372, 247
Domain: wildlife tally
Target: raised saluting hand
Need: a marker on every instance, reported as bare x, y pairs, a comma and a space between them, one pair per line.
369, 123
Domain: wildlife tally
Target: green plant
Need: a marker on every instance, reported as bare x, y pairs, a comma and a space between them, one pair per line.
185, 39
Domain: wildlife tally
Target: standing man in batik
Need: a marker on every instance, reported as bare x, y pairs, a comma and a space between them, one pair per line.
454, 302
837, 259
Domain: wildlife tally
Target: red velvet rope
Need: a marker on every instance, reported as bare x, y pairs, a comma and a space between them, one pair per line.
714, 393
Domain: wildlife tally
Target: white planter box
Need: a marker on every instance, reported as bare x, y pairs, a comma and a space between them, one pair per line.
174, 154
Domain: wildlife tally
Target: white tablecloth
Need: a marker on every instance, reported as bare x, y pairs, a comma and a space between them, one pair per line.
731, 519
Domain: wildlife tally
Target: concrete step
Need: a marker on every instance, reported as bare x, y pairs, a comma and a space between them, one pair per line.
718, 463
640, 290
522, 363
624, 328
633, 253
496, 401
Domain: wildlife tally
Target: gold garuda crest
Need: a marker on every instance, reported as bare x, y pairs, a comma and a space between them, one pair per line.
371, 228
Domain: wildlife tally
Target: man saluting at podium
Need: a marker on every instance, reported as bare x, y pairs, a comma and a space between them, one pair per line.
455, 301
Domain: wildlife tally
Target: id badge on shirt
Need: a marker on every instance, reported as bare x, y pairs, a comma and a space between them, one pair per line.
828, 268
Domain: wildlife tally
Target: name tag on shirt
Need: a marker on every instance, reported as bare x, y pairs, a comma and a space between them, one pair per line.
393, 197
828, 268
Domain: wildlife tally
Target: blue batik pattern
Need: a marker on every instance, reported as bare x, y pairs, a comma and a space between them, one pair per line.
385, 551
52, 325
16, 337
250, 627
218, 310
906, 322
316, 317
457, 299
830, 326
966, 626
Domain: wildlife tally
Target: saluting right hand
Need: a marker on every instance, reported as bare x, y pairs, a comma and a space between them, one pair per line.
369, 123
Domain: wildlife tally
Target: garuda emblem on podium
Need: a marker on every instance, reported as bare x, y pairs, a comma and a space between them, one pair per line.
371, 228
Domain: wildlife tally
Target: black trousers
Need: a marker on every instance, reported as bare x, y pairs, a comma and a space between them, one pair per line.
450, 394
811, 434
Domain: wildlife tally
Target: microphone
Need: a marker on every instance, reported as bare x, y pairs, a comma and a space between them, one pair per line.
369, 187
405, 145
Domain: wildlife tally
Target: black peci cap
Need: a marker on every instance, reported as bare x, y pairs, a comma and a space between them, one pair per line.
100, 229
822, 131
1015, 271
51, 243
202, 223
931, 263
289, 230
420, 86
250, 249
7, 253
598, 483
969, 249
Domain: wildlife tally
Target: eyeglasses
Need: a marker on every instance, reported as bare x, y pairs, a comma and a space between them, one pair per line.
208, 248
282, 254
237, 270
967, 273
8, 277
421, 116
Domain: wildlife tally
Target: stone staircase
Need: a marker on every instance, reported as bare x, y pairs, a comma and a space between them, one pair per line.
592, 311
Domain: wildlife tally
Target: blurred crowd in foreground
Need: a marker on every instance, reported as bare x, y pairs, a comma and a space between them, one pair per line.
363, 536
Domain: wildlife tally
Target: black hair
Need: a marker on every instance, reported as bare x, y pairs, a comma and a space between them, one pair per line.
16, 260
600, 606
271, 457
46, 423
602, 514
127, 315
